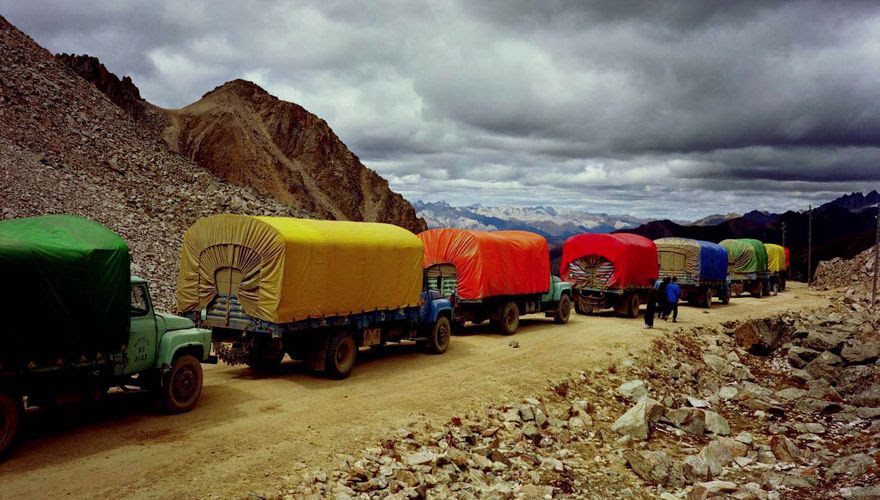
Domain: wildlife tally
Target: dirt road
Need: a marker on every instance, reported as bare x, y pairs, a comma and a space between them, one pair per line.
249, 430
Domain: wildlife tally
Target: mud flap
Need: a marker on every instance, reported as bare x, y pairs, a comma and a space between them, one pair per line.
317, 354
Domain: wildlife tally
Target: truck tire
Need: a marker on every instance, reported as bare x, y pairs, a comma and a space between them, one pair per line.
758, 290
563, 310
508, 318
632, 308
10, 421
439, 336
707, 298
183, 384
725, 299
341, 354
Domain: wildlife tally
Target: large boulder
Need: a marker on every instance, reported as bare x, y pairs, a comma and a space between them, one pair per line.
633, 390
823, 341
716, 424
690, 420
785, 449
864, 353
798, 357
717, 456
655, 467
760, 336
636, 421
854, 465
854, 378
826, 366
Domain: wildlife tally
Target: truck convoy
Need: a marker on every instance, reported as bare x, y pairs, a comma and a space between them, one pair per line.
494, 275
76, 323
746, 266
316, 290
609, 271
700, 268
777, 265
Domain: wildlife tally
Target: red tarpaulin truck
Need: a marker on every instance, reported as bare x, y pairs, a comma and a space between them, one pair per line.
609, 271
495, 275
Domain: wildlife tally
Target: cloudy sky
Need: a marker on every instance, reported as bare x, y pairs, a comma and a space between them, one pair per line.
651, 108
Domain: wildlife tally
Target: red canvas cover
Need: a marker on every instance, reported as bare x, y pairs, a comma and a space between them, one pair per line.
634, 257
787, 257
490, 263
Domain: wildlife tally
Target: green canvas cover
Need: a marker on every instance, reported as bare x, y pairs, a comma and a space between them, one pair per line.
745, 255
66, 291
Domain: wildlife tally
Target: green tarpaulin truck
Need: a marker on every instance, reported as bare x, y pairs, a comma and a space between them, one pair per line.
747, 267
76, 323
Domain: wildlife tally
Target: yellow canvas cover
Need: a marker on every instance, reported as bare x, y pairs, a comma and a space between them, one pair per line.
678, 256
284, 269
775, 257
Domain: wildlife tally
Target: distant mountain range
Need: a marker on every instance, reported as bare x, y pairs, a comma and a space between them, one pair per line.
555, 224
841, 228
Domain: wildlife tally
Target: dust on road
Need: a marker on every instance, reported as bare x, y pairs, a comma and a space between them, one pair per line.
249, 429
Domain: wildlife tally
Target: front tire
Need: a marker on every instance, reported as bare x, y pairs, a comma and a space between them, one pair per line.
438, 338
508, 320
10, 421
341, 354
183, 384
563, 310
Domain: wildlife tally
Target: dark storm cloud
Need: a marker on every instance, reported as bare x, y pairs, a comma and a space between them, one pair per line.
609, 105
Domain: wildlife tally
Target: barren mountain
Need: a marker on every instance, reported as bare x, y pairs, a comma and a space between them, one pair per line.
65, 147
242, 133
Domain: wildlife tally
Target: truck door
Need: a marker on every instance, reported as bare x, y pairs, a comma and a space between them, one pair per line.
142, 347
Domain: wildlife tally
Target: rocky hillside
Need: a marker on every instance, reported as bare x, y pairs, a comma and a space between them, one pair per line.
65, 147
123, 92
242, 133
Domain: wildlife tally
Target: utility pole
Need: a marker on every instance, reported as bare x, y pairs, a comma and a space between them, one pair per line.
810, 247
876, 258
783, 234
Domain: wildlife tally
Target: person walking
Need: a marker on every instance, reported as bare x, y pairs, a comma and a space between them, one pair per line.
661, 298
651, 306
673, 293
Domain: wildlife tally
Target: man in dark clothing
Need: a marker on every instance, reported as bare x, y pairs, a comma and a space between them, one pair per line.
649, 309
673, 293
661, 297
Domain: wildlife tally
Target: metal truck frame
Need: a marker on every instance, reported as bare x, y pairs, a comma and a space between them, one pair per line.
756, 284
503, 311
624, 301
699, 292
163, 354
327, 345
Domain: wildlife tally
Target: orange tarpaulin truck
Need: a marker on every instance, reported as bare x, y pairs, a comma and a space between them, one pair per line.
494, 275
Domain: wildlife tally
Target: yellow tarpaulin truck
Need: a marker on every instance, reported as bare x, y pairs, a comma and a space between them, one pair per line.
316, 290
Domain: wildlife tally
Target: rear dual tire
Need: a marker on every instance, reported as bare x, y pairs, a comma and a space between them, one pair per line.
508, 318
341, 355
11, 411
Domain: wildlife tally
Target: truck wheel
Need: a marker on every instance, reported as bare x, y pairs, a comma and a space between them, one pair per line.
707, 298
508, 319
341, 353
10, 421
438, 338
632, 309
759, 290
183, 384
725, 299
563, 310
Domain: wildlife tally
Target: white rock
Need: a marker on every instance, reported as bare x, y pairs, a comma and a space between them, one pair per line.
633, 390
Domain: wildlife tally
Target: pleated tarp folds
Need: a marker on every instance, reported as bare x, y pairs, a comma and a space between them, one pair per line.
289, 269
634, 257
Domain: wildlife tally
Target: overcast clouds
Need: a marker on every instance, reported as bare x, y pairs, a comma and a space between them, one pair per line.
614, 106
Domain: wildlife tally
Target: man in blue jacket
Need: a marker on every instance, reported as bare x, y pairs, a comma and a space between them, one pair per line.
673, 293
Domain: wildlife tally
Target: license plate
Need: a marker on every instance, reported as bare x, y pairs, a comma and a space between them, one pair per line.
372, 336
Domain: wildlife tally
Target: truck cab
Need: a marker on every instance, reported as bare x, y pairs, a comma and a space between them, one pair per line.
168, 345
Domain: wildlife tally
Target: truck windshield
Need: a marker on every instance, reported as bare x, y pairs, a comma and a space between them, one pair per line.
139, 304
